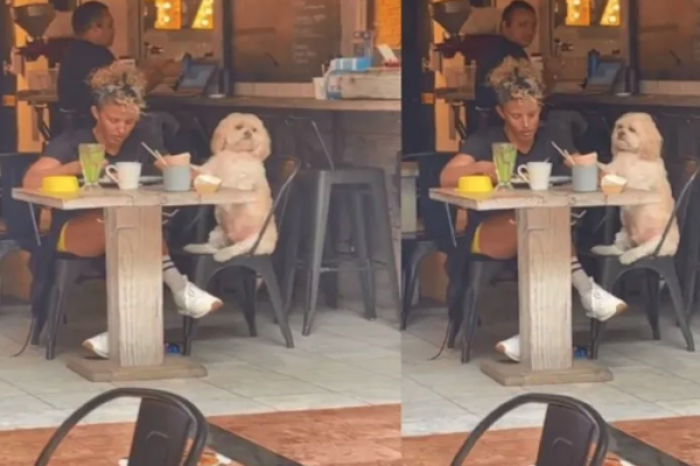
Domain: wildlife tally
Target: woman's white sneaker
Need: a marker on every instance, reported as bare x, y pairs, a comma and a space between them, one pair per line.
510, 347
98, 345
195, 302
600, 304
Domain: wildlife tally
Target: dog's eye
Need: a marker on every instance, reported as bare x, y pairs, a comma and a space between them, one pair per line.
255, 130
631, 129
239, 127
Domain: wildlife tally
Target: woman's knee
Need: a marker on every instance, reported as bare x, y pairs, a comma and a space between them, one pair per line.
84, 236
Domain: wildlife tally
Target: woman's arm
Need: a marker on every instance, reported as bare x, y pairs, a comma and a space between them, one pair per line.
47, 166
464, 165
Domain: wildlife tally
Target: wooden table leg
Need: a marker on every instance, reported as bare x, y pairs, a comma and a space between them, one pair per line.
135, 303
544, 286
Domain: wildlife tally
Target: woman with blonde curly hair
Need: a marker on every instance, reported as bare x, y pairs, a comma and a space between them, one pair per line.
519, 91
119, 99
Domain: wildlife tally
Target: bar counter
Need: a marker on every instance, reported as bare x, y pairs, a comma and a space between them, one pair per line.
43, 98
600, 99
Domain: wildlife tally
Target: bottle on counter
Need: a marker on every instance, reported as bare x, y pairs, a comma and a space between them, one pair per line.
593, 58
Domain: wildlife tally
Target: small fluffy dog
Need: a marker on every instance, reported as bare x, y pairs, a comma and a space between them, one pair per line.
636, 148
240, 145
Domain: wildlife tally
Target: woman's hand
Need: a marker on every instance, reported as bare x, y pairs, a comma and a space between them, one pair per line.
484, 167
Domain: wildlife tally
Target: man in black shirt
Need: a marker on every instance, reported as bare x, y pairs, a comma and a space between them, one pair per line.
93, 27
518, 29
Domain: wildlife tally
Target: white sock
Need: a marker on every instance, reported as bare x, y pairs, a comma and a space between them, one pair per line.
172, 276
579, 279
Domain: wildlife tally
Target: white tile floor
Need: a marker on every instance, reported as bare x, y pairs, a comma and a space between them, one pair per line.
347, 361
652, 378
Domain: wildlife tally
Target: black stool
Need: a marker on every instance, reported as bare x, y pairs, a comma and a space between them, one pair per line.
363, 191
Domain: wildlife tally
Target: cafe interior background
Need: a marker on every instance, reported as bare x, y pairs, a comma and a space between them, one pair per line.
662, 47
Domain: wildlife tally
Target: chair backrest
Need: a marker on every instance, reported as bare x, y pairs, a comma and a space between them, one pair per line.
19, 216
437, 216
277, 212
304, 147
570, 427
685, 186
163, 427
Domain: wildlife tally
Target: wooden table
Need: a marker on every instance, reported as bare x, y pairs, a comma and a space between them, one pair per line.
133, 234
544, 284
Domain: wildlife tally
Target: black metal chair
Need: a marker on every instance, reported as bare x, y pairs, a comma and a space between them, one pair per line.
250, 266
468, 273
610, 270
570, 427
164, 425
329, 186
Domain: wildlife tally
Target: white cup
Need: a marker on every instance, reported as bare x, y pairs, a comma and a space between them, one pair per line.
125, 174
536, 174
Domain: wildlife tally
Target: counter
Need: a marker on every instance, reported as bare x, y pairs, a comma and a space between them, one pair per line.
43, 98
600, 99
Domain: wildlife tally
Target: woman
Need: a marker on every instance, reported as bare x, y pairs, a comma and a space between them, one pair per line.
118, 92
519, 92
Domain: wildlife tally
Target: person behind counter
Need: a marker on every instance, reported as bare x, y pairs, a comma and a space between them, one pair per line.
119, 91
519, 92
93, 27
518, 29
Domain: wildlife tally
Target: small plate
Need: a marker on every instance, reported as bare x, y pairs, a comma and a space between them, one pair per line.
554, 181
144, 180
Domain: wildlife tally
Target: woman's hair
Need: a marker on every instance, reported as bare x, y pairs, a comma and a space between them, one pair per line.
515, 80
118, 83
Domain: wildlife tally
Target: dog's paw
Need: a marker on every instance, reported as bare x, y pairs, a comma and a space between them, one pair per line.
606, 250
205, 248
631, 256
224, 255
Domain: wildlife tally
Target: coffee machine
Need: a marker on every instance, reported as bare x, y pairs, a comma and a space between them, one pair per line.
451, 16
35, 19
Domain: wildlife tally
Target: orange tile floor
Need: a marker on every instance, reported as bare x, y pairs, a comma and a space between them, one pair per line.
344, 437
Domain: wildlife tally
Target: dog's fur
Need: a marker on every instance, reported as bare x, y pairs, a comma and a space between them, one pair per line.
636, 147
240, 145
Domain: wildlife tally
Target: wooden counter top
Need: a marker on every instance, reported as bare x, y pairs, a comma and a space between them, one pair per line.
644, 100
40, 98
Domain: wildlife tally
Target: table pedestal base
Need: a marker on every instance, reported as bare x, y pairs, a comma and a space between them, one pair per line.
104, 370
512, 374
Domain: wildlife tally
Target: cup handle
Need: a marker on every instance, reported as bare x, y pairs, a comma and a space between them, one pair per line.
111, 172
522, 173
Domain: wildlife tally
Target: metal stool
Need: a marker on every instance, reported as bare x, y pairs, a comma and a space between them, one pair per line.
352, 187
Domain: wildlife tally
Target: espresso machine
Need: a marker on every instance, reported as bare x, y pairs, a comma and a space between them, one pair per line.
34, 19
451, 16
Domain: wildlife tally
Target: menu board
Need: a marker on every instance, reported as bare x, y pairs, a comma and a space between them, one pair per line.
283, 40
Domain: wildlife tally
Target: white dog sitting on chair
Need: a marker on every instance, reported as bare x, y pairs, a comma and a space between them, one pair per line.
240, 145
636, 148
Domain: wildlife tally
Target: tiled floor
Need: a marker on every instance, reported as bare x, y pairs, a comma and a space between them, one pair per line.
346, 361
653, 379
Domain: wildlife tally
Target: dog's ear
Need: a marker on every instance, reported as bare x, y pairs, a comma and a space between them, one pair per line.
652, 141
613, 148
218, 140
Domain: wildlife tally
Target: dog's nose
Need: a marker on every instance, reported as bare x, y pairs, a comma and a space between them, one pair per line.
247, 134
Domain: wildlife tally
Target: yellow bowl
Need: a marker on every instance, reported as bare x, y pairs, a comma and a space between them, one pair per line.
478, 184
60, 184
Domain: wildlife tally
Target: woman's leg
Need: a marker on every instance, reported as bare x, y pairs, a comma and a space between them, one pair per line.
497, 237
84, 236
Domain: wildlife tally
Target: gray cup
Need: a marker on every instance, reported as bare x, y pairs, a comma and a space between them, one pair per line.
584, 178
177, 178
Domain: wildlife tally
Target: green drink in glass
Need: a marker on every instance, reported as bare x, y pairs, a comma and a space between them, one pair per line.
92, 157
504, 156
